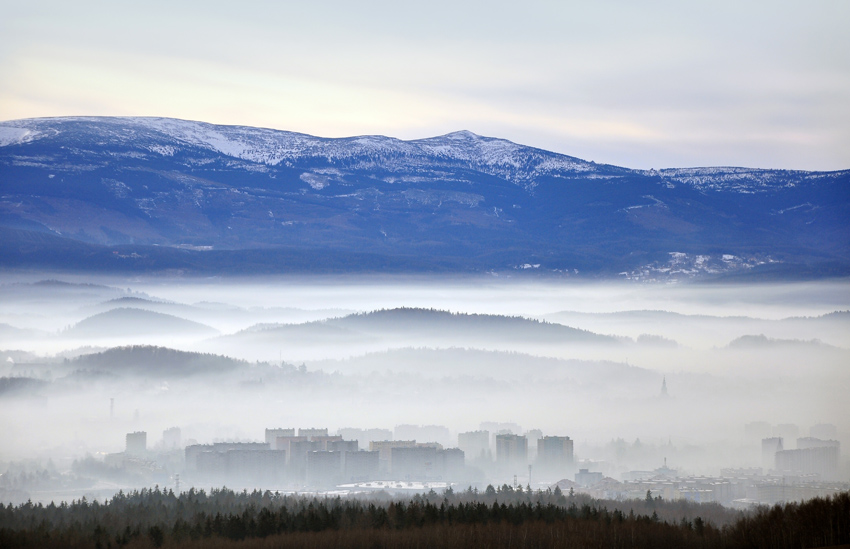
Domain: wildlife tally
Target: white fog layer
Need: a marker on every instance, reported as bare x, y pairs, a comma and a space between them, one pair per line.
697, 375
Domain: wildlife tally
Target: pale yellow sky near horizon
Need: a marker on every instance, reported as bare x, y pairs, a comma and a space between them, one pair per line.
654, 85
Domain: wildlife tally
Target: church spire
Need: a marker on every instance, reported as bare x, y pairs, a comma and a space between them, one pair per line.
664, 388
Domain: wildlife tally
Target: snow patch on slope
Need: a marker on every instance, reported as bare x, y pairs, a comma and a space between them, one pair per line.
500, 157
741, 180
684, 266
14, 136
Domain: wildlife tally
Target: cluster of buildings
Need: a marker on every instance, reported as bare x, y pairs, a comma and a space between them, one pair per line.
813, 457
811, 469
313, 459
532, 457
740, 488
310, 458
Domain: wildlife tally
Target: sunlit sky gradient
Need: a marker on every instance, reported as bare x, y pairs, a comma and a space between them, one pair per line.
638, 84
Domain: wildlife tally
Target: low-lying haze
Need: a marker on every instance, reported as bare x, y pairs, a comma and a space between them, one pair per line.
582, 360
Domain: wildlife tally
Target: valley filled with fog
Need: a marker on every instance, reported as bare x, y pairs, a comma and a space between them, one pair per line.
87, 361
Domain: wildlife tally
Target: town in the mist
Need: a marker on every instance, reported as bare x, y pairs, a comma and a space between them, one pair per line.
390, 387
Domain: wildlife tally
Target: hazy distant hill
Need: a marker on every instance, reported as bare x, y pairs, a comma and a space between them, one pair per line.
476, 364
133, 302
761, 342
836, 317
12, 333
211, 313
21, 386
423, 326
152, 194
689, 329
646, 316
126, 321
146, 359
52, 291
433, 322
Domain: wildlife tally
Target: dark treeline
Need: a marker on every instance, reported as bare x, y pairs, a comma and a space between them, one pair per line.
494, 518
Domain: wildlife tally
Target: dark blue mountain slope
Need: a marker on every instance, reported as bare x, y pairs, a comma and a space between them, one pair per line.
150, 194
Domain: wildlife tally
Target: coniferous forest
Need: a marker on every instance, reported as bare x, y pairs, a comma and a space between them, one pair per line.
496, 517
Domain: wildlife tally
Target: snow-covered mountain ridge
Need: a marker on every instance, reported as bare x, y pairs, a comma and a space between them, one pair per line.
272, 147
498, 157
139, 188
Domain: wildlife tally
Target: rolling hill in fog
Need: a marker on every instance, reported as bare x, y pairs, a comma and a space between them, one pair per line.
154, 195
717, 330
132, 302
128, 321
152, 361
761, 341
414, 326
480, 364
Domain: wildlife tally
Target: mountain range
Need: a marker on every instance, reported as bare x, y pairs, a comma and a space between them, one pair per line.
164, 195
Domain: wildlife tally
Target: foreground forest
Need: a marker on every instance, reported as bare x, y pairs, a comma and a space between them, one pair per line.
503, 517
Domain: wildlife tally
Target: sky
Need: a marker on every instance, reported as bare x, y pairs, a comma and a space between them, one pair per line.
637, 84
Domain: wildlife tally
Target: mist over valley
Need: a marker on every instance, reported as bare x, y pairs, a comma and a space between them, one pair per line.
657, 369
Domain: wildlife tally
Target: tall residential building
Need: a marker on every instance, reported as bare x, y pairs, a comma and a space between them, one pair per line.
814, 460
769, 447
240, 463
136, 444
345, 446
417, 463
554, 458
285, 443
813, 442
172, 438
312, 432
451, 463
427, 462
296, 458
360, 466
250, 467
272, 434
512, 454
384, 449
533, 435
475, 445
323, 468
324, 440
194, 452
